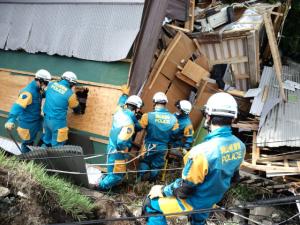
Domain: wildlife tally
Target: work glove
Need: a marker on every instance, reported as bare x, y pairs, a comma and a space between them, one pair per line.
125, 89
184, 151
138, 115
82, 95
156, 192
9, 125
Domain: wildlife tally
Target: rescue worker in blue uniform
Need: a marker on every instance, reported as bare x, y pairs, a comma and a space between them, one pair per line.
26, 111
160, 126
120, 139
184, 137
59, 96
208, 167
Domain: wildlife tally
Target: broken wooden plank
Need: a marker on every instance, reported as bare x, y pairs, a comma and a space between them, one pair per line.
232, 60
271, 168
186, 79
253, 127
179, 51
58, 78
194, 71
274, 51
255, 149
278, 158
189, 24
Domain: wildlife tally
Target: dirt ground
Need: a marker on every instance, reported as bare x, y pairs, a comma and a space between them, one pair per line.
27, 202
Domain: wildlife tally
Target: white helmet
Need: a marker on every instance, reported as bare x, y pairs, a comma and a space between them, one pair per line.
160, 98
221, 104
134, 100
69, 76
43, 75
185, 106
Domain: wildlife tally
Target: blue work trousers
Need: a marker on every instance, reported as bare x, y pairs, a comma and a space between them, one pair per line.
168, 205
28, 131
55, 132
154, 160
116, 169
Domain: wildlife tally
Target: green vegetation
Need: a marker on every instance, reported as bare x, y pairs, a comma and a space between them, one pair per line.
245, 193
67, 195
290, 42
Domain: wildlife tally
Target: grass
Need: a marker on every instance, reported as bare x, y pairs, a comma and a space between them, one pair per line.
245, 193
67, 195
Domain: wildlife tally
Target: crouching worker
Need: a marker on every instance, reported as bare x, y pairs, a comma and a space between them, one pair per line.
59, 97
209, 167
160, 126
120, 140
27, 110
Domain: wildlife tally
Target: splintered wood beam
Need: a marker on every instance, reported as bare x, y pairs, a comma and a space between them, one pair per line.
255, 149
58, 77
274, 51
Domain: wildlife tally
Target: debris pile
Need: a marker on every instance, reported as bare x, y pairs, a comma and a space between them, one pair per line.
226, 48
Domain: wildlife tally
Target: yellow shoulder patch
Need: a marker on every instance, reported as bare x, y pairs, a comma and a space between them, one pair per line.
188, 131
198, 169
24, 99
126, 132
73, 102
144, 120
176, 126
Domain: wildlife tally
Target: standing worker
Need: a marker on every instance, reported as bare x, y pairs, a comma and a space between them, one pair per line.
184, 138
160, 125
209, 167
27, 110
120, 140
59, 96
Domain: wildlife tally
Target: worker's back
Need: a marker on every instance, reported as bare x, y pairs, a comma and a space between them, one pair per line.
32, 112
184, 137
160, 128
57, 100
224, 153
121, 119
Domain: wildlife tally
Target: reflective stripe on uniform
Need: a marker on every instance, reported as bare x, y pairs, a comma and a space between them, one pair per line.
62, 134
195, 169
119, 166
172, 204
23, 133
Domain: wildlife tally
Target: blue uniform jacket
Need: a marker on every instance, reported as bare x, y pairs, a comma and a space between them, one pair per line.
209, 168
122, 130
184, 137
161, 125
27, 108
59, 97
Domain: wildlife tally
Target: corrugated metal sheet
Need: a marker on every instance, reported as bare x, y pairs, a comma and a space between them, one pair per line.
101, 32
282, 123
258, 104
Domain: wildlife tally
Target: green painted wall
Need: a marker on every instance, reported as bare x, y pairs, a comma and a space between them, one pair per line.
115, 73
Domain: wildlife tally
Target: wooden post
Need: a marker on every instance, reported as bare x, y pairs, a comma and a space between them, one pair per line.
255, 149
275, 52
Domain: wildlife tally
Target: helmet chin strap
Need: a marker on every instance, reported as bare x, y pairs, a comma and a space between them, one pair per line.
207, 125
